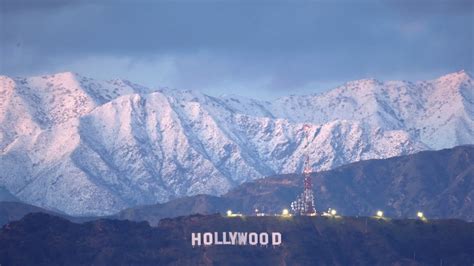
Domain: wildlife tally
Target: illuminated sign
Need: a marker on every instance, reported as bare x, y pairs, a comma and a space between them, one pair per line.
236, 238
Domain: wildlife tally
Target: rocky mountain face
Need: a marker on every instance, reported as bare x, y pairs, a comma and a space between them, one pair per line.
42, 239
88, 147
438, 183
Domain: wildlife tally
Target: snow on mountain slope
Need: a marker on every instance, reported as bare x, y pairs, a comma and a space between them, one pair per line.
82, 146
439, 112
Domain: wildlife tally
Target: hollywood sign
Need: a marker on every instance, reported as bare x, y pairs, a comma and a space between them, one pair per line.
236, 238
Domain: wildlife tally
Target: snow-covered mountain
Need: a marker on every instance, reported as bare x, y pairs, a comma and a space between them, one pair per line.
83, 146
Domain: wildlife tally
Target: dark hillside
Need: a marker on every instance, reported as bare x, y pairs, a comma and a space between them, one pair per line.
41, 239
439, 183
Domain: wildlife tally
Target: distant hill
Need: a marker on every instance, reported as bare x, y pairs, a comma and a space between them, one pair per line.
41, 239
5, 195
439, 183
13, 211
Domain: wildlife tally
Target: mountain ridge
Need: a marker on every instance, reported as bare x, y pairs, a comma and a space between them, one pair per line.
445, 194
438, 183
69, 142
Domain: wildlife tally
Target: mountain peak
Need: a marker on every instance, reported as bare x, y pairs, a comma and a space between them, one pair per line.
463, 72
64, 75
363, 83
459, 76
67, 79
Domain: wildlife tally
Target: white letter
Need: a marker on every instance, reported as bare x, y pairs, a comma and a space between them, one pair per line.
216, 239
196, 239
224, 238
242, 238
233, 237
207, 239
276, 239
263, 239
253, 239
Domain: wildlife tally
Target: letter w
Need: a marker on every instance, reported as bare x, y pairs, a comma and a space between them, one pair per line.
242, 238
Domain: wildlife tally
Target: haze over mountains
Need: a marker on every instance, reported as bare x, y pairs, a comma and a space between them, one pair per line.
88, 147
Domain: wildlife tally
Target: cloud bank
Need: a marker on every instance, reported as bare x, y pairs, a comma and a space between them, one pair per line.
255, 48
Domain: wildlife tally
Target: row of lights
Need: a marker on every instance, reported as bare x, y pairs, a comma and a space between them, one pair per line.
284, 212
332, 212
231, 214
418, 214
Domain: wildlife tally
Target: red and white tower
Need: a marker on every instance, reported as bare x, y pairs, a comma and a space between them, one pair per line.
304, 203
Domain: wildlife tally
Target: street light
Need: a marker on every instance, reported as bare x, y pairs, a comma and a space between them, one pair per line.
229, 213
333, 212
420, 215
285, 212
380, 214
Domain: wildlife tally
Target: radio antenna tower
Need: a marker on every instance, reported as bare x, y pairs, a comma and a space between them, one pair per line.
304, 203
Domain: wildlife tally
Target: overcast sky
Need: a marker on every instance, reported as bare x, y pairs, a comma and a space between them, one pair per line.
254, 48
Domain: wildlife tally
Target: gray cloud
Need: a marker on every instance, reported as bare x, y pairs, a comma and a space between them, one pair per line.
250, 47
22, 6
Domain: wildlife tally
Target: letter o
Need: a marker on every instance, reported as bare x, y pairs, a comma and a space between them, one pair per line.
253, 238
207, 239
263, 239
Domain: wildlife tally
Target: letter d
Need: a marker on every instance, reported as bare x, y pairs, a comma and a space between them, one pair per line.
276, 239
